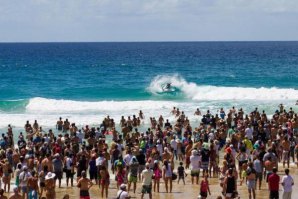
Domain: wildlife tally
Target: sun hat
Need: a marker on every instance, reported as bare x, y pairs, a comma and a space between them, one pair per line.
123, 186
50, 175
194, 152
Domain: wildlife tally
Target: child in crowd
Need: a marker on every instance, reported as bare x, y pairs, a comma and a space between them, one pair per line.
181, 173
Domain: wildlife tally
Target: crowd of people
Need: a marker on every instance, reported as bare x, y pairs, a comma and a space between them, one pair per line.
233, 147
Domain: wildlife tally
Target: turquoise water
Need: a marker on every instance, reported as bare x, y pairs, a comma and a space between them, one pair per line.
86, 81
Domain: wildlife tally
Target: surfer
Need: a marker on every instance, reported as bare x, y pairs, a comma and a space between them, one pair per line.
167, 87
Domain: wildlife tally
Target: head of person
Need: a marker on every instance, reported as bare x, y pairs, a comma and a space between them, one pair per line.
166, 163
123, 187
25, 168
181, 163
19, 166
66, 196
83, 174
274, 170
287, 171
147, 165
244, 166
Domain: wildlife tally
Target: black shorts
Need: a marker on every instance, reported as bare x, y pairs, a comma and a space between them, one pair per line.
84, 193
58, 175
204, 194
93, 175
274, 195
42, 184
69, 174
181, 177
242, 162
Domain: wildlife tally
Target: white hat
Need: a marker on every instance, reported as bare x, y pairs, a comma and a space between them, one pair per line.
50, 175
123, 186
194, 152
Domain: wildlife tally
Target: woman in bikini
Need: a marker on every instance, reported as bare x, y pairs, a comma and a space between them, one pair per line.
104, 181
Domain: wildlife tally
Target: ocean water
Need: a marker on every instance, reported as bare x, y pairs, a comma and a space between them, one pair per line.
87, 81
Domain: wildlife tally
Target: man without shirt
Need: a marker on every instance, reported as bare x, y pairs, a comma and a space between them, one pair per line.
84, 184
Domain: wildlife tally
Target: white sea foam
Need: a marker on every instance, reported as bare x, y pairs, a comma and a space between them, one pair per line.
47, 111
61, 106
196, 92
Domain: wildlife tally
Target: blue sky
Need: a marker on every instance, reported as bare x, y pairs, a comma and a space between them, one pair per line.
148, 20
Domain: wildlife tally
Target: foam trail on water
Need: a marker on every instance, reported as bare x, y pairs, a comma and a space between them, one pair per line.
61, 106
196, 92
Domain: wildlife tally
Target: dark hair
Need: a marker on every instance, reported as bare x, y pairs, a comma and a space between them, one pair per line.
166, 163
287, 171
274, 169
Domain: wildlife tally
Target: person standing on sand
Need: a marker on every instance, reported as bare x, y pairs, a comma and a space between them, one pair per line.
195, 161
84, 184
33, 186
7, 170
147, 181
286, 151
167, 173
104, 180
133, 173
273, 183
204, 187
24, 176
287, 183
58, 168
157, 173
50, 185
229, 185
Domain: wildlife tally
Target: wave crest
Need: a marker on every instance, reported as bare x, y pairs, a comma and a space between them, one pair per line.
193, 91
39, 104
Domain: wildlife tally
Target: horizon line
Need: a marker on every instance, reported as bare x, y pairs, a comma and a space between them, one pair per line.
146, 41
